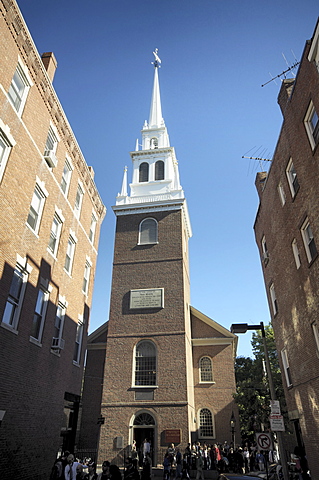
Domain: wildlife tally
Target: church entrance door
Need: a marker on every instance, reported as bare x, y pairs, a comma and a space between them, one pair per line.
144, 428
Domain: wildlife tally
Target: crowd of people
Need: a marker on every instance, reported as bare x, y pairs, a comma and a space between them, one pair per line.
221, 457
176, 464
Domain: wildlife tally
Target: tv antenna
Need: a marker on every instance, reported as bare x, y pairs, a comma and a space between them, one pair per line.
258, 155
289, 69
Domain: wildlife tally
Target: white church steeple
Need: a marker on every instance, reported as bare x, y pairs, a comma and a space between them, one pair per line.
155, 176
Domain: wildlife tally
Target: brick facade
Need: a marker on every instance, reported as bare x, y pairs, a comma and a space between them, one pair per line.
290, 260
181, 336
38, 382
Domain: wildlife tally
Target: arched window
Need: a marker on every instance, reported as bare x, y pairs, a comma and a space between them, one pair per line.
154, 143
145, 363
205, 369
148, 231
206, 427
144, 418
159, 170
143, 177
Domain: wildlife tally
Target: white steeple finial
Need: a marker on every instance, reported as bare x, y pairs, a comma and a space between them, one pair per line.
157, 60
124, 184
156, 119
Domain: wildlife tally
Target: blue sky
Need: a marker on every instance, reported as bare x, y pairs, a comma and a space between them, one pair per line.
215, 55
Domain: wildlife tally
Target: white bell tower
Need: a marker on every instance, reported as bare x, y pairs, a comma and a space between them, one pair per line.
155, 176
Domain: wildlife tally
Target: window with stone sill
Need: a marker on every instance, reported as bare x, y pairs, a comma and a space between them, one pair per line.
206, 370
285, 362
273, 299
292, 178
148, 231
66, 176
19, 88
145, 364
311, 123
36, 207
309, 241
6, 144
40, 313
15, 298
206, 425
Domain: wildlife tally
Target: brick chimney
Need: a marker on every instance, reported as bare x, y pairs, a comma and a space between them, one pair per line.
285, 93
50, 64
260, 182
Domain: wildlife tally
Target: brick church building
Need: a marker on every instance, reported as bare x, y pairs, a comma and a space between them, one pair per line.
159, 368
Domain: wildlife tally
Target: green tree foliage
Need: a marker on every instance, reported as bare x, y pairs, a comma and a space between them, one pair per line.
252, 392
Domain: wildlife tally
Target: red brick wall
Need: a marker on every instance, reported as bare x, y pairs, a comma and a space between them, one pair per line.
296, 289
33, 379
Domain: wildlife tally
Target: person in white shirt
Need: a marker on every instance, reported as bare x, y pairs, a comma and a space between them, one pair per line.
70, 469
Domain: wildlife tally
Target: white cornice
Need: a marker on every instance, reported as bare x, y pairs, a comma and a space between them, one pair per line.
199, 342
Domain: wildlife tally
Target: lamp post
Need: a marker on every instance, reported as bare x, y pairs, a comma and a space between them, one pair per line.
242, 328
232, 426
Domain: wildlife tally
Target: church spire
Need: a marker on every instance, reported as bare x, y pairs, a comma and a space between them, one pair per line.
155, 178
156, 119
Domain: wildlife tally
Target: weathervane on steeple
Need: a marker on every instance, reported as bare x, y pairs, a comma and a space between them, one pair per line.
157, 60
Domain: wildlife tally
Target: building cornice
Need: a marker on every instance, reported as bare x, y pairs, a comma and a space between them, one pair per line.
38, 73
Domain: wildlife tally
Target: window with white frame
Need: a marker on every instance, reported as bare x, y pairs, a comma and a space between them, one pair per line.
206, 370
159, 170
6, 144
315, 329
36, 207
78, 341
66, 176
55, 233
295, 251
92, 228
273, 299
309, 241
206, 425
70, 250
148, 231
311, 122
313, 55
282, 194
292, 178
19, 88
286, 368
145, 364
57, 341
143, 172
51, 145
78, 200
86, 277
265, 254
40, 312
16, 294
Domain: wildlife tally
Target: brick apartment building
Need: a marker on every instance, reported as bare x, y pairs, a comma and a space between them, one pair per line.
287, 233
159, 369
50, 220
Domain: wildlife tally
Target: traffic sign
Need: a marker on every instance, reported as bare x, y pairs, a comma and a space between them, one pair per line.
275, 407
264, 441
277, 423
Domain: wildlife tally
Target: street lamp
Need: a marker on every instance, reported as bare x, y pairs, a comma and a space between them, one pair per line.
242, 328
232, 426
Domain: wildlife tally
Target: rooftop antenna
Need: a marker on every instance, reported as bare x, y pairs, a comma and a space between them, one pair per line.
259, 157
290, 67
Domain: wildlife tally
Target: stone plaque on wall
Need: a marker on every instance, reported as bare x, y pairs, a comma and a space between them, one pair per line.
147, 298
144, 395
